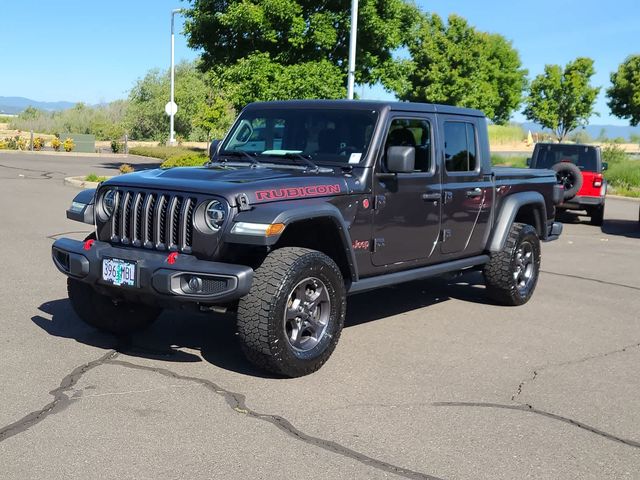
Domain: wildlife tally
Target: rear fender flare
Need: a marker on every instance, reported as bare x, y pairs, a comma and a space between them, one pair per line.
507, 214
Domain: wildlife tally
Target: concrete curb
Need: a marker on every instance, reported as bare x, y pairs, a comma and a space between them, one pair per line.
620, 197
70, 154
80, 182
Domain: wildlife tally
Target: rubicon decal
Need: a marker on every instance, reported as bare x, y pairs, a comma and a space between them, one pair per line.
297, 192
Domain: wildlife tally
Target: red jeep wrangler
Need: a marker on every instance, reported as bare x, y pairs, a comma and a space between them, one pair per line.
579, 169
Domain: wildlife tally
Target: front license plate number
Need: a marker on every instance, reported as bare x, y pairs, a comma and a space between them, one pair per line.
119, 272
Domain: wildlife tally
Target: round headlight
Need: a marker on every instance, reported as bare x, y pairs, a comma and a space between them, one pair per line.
215, 214
109, 202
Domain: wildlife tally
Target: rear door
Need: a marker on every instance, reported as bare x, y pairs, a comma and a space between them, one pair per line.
467, 186
407, 205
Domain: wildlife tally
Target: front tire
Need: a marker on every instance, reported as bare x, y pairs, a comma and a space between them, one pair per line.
292, 318
107, 314
512, 274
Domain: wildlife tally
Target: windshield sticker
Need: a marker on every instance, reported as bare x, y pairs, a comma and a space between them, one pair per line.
355, 158
297, 192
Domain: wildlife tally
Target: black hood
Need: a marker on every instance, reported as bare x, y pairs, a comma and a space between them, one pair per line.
261, 184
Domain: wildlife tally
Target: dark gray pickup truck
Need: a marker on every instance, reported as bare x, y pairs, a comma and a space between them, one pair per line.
302, 204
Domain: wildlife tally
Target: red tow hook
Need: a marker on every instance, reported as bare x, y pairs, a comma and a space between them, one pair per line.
88, 244
171, 259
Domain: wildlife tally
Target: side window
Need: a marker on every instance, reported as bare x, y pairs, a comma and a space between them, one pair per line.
412, 133
460, 147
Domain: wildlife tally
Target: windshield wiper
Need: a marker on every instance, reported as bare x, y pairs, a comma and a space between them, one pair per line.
306, 159
241, 154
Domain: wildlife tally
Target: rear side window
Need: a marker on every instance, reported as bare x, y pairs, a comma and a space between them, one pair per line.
460, 151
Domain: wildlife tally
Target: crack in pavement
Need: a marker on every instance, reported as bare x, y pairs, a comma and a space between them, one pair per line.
570, 362
531, 409
589, 279
60, 400
44, 174
236, 401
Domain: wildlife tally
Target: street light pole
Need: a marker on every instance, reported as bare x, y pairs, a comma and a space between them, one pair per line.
352, 49
172, 133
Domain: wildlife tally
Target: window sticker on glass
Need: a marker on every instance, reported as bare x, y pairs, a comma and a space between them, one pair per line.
355, 158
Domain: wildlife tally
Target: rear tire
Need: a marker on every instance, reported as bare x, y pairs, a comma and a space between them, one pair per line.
597, 215
105, 313
512, 274
292, 318
570, 177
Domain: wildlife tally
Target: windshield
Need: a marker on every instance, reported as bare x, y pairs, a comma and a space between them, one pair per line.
324, 135
584, 157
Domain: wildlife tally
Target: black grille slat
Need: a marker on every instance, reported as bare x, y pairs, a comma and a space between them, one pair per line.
125, 213
135, 224
188, 230
153, 220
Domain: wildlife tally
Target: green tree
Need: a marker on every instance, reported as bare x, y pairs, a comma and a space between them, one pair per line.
453, 63
294, 32
258, 78
624, 93
196, 93
563, 99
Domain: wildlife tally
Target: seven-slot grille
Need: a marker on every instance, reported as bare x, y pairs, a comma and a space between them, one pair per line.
153, 220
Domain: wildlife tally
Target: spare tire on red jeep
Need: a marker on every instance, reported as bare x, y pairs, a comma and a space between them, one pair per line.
570, 177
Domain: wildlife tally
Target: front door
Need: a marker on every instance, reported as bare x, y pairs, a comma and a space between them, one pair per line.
467, 188
407, 205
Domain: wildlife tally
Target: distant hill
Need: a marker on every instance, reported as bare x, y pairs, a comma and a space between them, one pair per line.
594, 131
14, 105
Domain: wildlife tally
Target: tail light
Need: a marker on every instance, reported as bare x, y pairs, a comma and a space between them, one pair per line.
597, 180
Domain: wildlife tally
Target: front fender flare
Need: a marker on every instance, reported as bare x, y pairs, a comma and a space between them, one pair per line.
85, 214
283, 212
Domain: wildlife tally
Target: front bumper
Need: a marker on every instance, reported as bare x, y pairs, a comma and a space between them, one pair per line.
582, 203
157, 279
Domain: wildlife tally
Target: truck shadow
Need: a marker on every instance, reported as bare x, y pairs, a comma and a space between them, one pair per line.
179, 337
622, 228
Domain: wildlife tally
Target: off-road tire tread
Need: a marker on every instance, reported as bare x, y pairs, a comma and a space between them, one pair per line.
498, 272
596, 216
254, 310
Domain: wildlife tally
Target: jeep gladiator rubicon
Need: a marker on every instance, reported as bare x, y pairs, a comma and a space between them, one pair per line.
302, 204
579, 170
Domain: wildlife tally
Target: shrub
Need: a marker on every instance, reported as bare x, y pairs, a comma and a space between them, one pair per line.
163, 152
185, 160
21, 143
68, 144
56, 144
38, 143
613, 153
92, 177
126, 168
116, 146
4, 144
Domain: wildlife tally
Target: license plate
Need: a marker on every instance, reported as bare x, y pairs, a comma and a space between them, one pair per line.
119, 272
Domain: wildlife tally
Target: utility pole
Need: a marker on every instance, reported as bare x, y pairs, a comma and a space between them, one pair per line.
171, 107
352, 49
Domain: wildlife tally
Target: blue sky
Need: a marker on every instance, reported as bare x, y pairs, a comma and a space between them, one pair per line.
94, 51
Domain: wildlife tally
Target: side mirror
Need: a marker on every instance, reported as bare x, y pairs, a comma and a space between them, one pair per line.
605, 166
529, 162
213, 149
401, 159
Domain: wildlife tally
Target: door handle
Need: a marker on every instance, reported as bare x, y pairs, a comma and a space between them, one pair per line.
432, 197
476, 192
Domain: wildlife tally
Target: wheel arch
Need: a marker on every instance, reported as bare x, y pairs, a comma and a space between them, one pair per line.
523, 207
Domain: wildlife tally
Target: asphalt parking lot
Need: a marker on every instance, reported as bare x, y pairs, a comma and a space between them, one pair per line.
429, 379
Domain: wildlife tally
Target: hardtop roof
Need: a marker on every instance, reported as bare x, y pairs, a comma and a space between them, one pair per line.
370, 104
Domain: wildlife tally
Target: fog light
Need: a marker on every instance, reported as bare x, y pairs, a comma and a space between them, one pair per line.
195, 284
